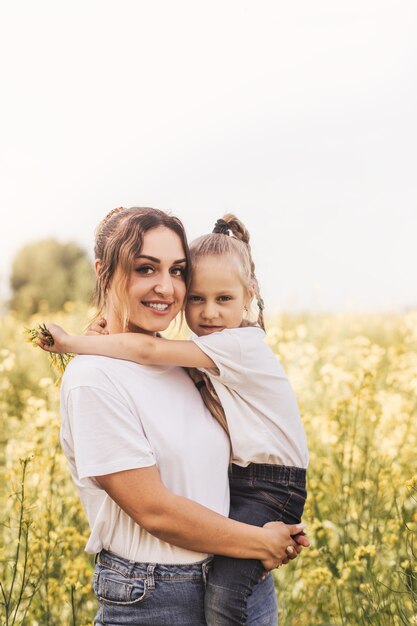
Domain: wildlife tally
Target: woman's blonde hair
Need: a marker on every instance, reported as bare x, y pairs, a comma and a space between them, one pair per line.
118, 241
209, 395
219, 243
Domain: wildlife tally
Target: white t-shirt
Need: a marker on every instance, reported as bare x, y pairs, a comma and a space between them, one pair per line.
258, 400
118, 415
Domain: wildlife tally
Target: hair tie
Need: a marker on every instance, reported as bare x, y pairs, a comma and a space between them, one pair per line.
221, 227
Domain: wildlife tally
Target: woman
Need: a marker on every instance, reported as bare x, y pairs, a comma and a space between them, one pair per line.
149, 461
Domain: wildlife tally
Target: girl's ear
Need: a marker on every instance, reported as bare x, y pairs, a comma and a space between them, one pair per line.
250, 294
97, 266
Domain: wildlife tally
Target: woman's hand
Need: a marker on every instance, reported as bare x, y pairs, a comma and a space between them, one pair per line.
98, 327
142, 495
286, 542
60, 339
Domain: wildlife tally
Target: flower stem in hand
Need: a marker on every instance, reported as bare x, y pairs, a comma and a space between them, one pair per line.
41, 335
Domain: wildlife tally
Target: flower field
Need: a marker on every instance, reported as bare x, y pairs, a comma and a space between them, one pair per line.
356, 382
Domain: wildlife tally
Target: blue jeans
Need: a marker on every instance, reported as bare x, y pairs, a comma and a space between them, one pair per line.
262, 606
258, 494
148, 594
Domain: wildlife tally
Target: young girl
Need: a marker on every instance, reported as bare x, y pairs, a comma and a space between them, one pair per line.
246, 388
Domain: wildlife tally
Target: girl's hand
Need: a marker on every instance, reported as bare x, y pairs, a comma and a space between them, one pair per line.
98, 327
60, 340
286, 542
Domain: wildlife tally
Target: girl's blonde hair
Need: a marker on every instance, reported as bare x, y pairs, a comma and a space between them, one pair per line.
118, 241
219, 243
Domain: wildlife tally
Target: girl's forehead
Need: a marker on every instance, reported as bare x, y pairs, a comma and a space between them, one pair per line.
217, 263
216, 271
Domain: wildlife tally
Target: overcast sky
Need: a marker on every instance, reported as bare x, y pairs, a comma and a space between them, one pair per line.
300, 117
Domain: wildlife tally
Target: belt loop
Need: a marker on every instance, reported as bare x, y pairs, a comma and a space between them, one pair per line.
150, 579
97, 558
205, 569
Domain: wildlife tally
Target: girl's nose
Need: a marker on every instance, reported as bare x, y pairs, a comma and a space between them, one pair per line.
210, 311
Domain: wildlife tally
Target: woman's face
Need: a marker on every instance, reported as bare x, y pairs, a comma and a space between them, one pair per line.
156, 286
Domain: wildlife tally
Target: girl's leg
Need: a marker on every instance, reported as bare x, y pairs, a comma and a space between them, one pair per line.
253, 604
149, 594
259, 494
263, 605
230, 585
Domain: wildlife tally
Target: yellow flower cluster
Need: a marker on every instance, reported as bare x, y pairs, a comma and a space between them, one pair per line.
356, 381
44, 572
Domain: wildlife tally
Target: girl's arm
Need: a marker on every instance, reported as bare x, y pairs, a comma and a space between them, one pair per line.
185, 523
136, 347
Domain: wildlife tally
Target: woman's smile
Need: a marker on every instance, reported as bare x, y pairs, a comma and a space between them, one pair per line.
157, 306
156, 288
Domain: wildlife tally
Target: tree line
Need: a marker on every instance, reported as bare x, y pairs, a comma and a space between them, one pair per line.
52, 272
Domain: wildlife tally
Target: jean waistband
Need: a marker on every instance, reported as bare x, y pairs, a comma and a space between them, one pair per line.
284, 474
133, 569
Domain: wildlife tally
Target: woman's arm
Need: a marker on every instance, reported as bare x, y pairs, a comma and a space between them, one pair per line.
187, 524
136, 347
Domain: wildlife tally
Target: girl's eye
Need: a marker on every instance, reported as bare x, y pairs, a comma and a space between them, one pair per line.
194, 298
224, 298
144, 269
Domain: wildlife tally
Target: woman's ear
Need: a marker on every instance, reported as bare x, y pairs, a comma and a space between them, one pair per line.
97, 266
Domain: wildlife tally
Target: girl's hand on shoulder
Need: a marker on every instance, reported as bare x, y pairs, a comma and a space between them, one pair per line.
59, 341
98, 327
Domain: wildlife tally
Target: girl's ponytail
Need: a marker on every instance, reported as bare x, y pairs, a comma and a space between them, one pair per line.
240, 232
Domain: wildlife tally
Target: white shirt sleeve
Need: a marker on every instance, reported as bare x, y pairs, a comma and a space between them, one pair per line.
257, 397
225, 349
106, 436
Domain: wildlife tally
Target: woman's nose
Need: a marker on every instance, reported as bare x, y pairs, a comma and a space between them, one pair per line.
164, 284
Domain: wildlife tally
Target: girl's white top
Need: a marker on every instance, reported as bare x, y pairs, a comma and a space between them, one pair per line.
117, 415
258, 400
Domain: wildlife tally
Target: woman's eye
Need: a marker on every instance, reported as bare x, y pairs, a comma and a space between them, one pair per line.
144, 269
178, 271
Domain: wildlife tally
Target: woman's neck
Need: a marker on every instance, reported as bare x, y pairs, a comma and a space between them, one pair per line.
114, 324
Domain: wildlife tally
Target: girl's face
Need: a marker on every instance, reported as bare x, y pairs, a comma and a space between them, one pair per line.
156, 286
217, 297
